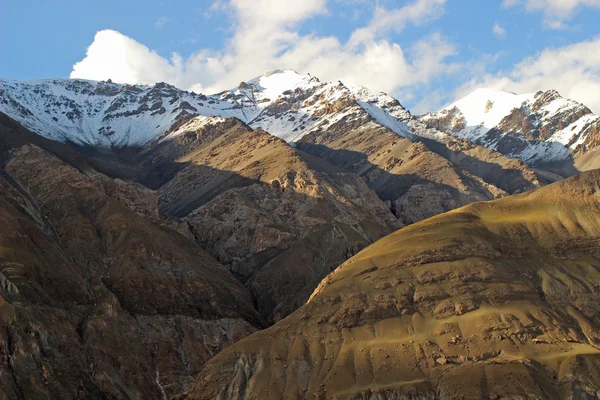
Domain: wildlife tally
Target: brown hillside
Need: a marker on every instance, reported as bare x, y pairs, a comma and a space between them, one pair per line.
420, 179
493, 300
98, 301
281, 219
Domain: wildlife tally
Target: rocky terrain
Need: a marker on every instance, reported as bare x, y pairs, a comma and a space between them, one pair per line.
408, 164
148, 229
493, 300
220, 167
541, 129
419, 178
280, 219
98, 297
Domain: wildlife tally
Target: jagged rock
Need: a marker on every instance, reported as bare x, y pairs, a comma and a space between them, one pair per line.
542, 129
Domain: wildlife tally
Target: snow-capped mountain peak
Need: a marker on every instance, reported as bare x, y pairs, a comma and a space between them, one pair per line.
536, 128
487, 107
274, 83
100, 113
533, 127
282, 102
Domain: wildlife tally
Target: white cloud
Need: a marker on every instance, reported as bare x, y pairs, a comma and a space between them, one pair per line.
556, 12
122, 59
573, 70
161, 21
432, 101
383, 21
265, 36
498, 30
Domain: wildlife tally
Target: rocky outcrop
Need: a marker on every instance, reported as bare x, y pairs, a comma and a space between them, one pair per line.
449, 120
493, 300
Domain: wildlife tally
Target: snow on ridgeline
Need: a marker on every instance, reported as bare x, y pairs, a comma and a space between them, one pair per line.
102, 113
532, 127
537, 128
282, 102
487, 107
193, 125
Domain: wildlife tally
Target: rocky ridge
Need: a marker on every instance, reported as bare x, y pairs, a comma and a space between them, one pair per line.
279, 218
538, 128
361, 131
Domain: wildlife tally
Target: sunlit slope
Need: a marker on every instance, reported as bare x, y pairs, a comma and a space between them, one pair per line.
493, 300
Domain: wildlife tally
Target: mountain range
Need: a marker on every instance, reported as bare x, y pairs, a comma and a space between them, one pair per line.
540, 129
148, 229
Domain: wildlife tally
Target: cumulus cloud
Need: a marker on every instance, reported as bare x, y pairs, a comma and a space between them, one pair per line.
266, 36
556, 12
498, 30
122, 59
573, 70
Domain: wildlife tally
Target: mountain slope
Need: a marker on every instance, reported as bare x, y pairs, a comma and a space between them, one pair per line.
282, 179
538, 128
97, 297
369, 133
494, 300
418, 181
279, 218
115, 115
297, 108
215, 172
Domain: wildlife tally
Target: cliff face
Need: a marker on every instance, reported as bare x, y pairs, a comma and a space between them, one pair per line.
493, 300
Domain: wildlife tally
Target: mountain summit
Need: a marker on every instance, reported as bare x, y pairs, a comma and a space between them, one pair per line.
538, 128
115, 115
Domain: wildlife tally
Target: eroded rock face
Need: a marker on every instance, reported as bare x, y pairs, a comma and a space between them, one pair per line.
98, 301
280, 219
140, 199
494, 300
283, 242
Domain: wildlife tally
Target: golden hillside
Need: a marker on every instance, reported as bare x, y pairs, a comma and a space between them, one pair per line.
493, 300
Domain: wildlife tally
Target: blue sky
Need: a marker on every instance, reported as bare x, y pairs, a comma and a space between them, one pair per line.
424, 52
